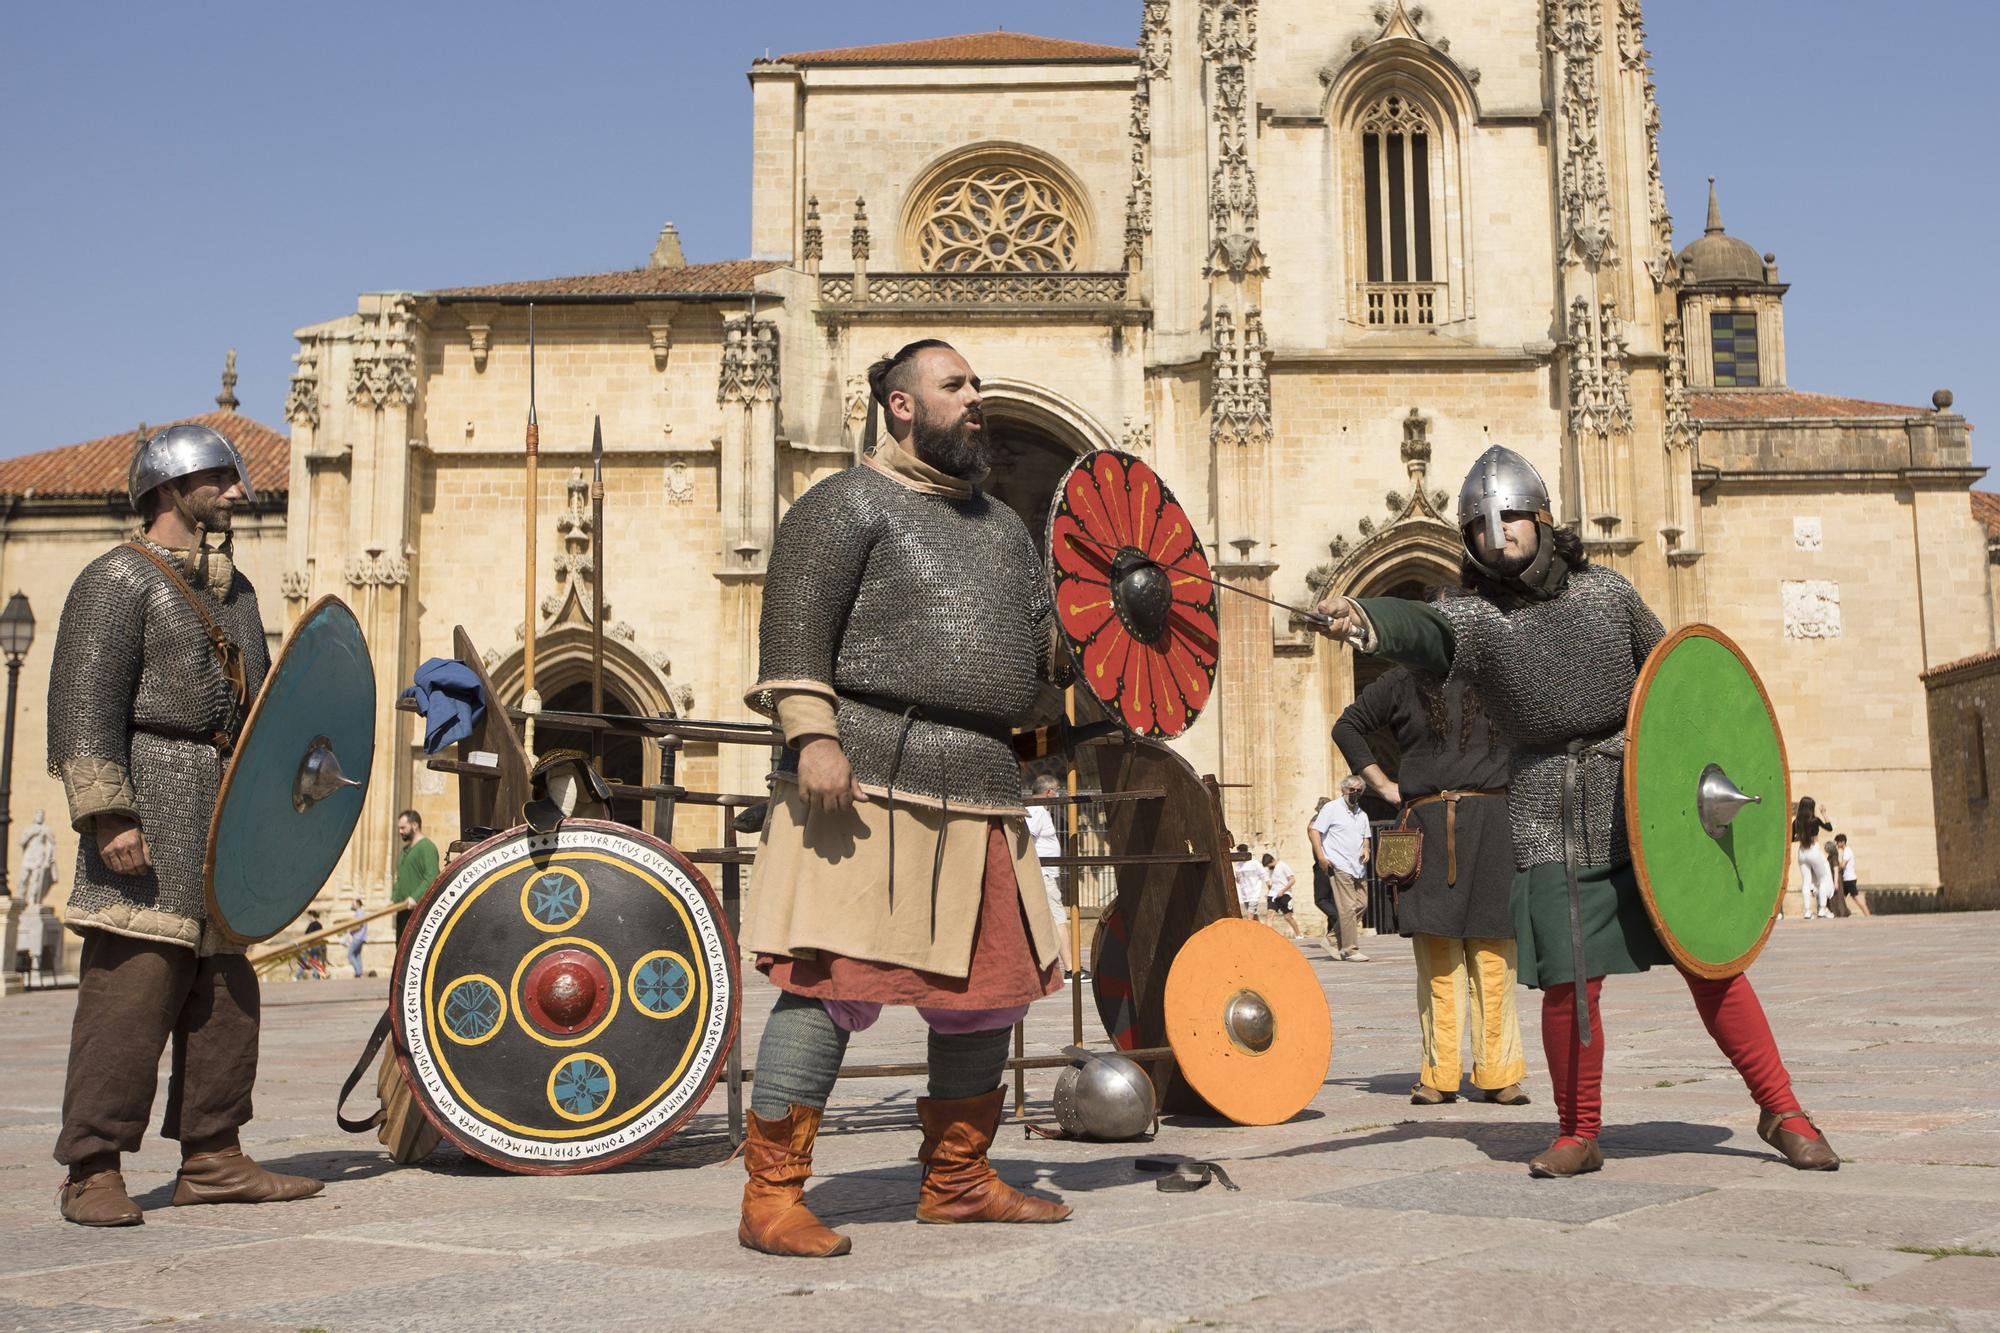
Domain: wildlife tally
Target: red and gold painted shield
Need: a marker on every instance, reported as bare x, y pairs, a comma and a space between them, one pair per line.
1134, 594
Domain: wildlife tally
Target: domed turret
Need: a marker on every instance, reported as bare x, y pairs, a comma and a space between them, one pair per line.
1720, 257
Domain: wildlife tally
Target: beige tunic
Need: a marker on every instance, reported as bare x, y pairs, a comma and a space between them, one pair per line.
821, 881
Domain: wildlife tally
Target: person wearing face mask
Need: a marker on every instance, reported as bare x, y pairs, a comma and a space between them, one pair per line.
1339, 838
158, 656
906, 629
1554, 646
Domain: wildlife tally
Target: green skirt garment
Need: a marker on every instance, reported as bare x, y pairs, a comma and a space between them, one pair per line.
1617, 934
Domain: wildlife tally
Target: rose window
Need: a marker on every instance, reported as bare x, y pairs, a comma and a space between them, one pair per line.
998, 218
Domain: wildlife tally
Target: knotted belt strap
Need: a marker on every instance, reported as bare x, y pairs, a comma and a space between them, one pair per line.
1452, 798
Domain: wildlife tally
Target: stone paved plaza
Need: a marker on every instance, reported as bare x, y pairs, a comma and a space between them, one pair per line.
1363, 1212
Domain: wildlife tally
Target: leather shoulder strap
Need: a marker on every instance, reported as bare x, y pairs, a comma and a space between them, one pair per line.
187, 593
354, 1078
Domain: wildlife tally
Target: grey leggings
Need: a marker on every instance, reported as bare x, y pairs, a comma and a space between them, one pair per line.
800, 1054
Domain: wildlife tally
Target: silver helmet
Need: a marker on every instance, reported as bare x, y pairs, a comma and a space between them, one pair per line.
1501, 482
182, 451
1104, 1097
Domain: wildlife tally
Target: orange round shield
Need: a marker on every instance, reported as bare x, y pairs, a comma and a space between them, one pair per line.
1248, 1022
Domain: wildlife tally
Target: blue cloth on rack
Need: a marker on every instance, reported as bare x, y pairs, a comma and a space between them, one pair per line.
447, 690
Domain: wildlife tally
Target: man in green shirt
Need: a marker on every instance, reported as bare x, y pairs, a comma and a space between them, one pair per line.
415, 868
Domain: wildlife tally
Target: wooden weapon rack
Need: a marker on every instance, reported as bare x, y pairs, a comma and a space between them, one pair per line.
1170, 855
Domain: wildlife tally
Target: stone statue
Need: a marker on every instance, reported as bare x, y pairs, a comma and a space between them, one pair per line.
38, 861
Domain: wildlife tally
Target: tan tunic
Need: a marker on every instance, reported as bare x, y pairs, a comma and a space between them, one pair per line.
821, 881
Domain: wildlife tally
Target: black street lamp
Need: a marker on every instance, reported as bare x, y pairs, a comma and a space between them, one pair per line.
17, 635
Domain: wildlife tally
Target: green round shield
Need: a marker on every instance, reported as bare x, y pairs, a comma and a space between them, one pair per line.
292, 792
1707, 801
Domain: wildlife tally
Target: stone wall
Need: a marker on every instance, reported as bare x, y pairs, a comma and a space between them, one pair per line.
1964, 714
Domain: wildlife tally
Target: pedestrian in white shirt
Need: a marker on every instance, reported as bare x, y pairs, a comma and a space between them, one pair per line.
1278, 881
1849, 877
1250, 881
1339, 836
1048, 843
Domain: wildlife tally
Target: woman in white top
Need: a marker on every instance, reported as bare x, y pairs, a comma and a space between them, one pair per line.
1816, 879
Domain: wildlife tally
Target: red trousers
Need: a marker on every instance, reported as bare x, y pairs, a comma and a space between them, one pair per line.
1729, 1009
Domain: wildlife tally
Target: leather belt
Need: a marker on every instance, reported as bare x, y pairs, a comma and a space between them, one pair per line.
1452, 798
911, 714
980, 723
220, 741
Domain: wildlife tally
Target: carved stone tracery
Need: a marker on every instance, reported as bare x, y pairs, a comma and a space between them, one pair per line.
1229, 44
383, 373
1600, 373
1576, 37
1242, 406
1155, 62
999, 217
749, 361
302, 397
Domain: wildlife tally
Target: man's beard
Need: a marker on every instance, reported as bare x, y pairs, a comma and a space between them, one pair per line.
1507, 565
211, 514
949, 446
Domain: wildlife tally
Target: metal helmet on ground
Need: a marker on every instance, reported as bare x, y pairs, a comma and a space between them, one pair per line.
182, 451
1501, 482
1104, 1097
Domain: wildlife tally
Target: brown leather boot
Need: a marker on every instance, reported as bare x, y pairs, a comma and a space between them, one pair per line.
778, 1155
960, 1185
1804, 1153
98, 1200
1511, 1095
1423, 1094
229, 1176
1567, 1156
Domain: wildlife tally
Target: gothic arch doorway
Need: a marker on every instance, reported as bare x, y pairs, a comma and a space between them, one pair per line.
624, 756
1412, 579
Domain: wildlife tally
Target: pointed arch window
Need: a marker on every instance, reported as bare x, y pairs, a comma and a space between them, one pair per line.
1403, 195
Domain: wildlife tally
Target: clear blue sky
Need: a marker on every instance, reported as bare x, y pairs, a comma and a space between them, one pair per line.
188, 178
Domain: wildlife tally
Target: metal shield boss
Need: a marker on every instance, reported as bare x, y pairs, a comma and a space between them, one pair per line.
293, 789
564, 1001
1133, 591
1707, 801
1248, 1022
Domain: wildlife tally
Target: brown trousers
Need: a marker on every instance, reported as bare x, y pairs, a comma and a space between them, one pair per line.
132, 996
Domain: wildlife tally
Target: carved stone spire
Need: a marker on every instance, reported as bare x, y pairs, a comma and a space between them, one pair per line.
226, 400
1714, 227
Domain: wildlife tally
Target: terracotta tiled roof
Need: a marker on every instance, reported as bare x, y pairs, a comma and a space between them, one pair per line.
97, 467
1751, 404
977, 48
1986, 511
728, 275
1990, 657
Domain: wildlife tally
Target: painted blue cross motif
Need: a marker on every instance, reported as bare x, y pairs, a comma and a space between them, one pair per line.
553, 899
471, 1010
661, 985
582, 1086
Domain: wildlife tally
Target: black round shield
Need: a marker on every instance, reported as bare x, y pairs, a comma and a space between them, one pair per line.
564, 1001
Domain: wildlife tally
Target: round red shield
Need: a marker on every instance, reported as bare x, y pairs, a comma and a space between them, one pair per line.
1134, 595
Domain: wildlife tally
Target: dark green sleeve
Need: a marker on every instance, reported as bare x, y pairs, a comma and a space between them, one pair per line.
1410, 633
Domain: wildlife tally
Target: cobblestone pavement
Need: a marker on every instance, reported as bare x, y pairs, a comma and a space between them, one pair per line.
1363, 1212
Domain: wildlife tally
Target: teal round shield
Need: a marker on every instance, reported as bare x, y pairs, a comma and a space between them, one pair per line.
293, 789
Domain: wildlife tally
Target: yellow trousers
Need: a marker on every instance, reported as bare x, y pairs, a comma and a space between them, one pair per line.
1474, 978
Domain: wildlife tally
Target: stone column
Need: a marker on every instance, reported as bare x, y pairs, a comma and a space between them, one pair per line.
748, 392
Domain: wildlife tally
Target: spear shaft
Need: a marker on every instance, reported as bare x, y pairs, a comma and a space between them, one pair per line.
597, 580
1313, 617
531, 702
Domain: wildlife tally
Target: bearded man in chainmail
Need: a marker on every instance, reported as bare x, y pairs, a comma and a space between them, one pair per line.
158, 655
1554, 645
906, 629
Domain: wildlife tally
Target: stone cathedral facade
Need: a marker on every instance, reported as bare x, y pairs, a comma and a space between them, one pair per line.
1310, 258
